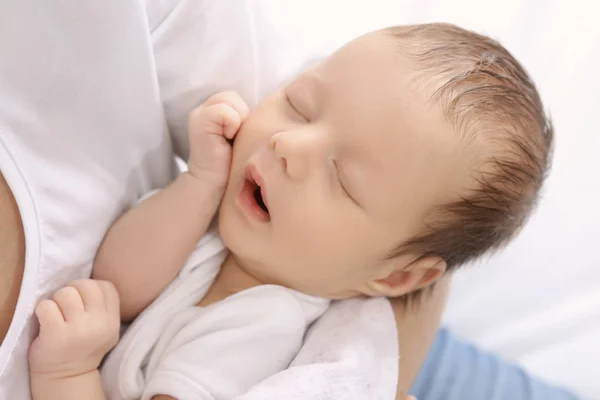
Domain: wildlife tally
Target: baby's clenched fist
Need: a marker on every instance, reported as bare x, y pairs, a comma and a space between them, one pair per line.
210, 126
78, 326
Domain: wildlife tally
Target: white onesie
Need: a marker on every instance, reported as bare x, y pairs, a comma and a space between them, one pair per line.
214, 352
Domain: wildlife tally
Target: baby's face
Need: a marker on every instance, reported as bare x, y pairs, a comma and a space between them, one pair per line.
350, 157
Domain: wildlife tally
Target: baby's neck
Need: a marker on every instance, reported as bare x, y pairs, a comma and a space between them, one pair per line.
231, 279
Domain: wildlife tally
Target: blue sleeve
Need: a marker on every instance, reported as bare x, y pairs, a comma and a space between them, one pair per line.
455, 370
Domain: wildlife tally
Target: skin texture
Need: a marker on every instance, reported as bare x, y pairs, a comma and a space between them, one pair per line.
351, 157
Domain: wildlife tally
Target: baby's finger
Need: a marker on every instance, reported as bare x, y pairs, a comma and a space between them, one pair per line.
69, 301
231, 98
49, 315
91, 294
225, 120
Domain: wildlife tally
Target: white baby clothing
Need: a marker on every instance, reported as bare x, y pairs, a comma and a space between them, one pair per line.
216, 352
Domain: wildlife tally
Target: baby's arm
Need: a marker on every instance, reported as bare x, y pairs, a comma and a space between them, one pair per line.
78, 326
146, 247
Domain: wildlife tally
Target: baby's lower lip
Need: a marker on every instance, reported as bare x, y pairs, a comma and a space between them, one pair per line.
249, 205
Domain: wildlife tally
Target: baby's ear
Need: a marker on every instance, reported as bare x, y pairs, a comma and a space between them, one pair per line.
417, 275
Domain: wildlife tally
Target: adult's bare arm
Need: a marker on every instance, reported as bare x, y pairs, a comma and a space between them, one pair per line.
417, 326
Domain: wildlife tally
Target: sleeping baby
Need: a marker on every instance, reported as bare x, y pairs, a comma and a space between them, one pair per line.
404, 155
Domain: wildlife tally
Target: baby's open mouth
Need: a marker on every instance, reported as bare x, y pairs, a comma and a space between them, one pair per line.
253, 195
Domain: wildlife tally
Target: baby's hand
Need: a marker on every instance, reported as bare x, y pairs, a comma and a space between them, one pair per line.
78, 326
209, 127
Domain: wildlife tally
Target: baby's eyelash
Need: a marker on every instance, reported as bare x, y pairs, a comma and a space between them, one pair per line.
336, 176
289, 101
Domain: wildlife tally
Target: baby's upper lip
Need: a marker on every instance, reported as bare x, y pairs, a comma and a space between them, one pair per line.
251, 173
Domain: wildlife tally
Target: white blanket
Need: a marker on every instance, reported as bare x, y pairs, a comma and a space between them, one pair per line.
351, 352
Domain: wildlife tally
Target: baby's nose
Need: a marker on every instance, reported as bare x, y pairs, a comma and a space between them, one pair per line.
300, 152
